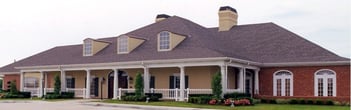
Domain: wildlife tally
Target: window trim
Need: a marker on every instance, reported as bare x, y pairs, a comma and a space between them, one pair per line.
91, 48
159, 41
325, 83
283, 78
118, 44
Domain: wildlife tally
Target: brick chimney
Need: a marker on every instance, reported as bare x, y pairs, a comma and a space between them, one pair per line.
161, 17
228, 18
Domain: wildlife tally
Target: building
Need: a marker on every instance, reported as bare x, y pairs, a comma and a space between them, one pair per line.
178, 57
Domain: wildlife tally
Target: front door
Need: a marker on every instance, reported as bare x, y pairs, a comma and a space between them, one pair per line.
94, 87
122, 82
248, 83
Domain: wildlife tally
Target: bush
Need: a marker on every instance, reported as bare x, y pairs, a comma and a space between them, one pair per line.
264, 100
256, 101
25, 94
236, 95
9, 95
319, 102
272, 101
302, 101
282, 101
293, 101
329, 102
309, 102
52, 95
133, 98
200, 99
159, 95
67, 95
216, 85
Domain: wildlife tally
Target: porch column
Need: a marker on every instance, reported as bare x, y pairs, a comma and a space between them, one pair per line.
146, 80
41, 80
182, 83
241, 81
45, 83
115, 83
21, 81
224, 78
87, 91
244, 80
63, 80
257, 82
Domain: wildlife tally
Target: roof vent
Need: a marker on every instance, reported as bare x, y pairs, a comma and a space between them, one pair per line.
161, 17
228, 17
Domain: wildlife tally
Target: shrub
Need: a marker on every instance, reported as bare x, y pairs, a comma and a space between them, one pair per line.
25, 94
243, 101
282, 101
264, 100
309, 101
319, 102
293, 101
52, 95
9, 95
204, 99
133, 98
57, 85
67, 95
13, 88
216, 85
139, 85
302, 101
236, 95
159, 95
329, 102
272, 101
256, 101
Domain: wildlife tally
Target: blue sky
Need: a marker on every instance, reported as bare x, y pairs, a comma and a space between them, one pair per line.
30, 27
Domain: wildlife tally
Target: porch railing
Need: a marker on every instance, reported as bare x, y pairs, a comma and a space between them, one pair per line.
33, 91
78, 92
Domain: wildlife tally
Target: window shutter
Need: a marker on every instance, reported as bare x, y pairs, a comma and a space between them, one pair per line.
171, 82
73, 84
152, 82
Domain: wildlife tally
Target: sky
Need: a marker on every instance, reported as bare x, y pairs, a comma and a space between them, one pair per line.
28, 27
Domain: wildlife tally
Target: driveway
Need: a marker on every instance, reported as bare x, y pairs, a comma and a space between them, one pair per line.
75, 105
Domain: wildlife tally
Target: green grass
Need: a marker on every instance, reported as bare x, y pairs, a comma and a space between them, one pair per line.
255, 107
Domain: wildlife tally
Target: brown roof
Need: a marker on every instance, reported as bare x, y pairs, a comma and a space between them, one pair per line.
265, 43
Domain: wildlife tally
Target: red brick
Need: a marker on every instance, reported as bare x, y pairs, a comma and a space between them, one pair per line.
12, 77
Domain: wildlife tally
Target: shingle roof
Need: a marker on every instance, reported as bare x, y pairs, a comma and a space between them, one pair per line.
265, 43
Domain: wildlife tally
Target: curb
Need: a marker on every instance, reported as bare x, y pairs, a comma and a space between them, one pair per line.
145, 107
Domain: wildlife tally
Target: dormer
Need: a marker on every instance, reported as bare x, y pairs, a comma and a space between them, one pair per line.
91, 46
166, 41
126, 44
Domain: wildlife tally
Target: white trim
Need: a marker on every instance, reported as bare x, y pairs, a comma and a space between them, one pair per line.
118, 44
324, 63
159, 41
325, 82
283, 83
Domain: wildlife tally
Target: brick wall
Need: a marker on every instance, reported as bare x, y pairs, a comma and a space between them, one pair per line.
11, 77
304, 80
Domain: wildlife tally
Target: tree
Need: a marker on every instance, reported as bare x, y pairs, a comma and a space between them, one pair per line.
57, 86
216, 85
139, 85
13, 88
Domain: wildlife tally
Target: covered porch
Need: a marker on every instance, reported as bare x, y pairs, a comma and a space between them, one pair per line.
175, 81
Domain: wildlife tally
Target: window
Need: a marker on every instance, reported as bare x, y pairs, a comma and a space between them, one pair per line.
283, 83
164, 41
70, 82
88, 48
325, 83
31, 82
174, 81
123, 44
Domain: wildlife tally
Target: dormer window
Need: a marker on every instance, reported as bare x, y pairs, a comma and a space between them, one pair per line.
123, 44
88, 48
164, 41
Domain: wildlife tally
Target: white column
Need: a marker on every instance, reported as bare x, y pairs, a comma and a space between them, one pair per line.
21, 82
63, 80
87, 94
115, 83
257, 82
41, 80
244, 80
182, 83
224, 79
241, 81
146, 80
45, 83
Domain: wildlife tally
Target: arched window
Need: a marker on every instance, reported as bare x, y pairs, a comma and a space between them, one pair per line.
123, 44
283, 83
325, 83
164, 41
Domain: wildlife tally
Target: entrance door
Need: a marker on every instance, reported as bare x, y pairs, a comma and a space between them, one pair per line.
94, 87
248, 83
122, 82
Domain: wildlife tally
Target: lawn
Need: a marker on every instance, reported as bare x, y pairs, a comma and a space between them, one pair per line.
255, 107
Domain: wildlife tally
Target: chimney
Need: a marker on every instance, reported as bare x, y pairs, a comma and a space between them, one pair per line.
228, 17
161, 17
